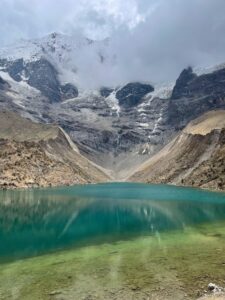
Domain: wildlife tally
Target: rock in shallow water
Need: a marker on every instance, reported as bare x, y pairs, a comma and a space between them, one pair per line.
212, 287
215, 292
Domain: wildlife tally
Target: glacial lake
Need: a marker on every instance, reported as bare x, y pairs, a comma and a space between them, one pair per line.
111, 241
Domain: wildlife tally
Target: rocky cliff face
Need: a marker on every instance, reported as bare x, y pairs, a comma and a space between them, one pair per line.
40, 155
41, 75
194, 95
132, 94
196, 157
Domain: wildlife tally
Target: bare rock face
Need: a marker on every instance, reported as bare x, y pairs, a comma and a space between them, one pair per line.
132, 94
194, 95
183, 84
41, 75
105, 91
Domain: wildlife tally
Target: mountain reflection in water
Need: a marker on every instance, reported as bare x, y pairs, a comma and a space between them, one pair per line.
42, 220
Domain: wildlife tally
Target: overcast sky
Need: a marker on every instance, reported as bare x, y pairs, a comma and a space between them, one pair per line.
155, 39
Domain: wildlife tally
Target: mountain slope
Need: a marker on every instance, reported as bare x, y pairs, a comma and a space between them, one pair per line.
34, 154
196, 157
117, 127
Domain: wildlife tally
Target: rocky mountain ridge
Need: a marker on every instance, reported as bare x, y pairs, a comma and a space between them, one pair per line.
118, 128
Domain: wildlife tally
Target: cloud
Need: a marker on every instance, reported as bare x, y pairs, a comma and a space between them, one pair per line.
176, 34
96, 18
153, 39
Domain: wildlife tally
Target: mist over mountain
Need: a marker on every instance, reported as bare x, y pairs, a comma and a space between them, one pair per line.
146, 40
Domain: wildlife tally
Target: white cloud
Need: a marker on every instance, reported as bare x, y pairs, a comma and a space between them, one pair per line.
153, 39
96, 18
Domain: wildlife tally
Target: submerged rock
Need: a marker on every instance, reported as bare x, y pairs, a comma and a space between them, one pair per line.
54, 293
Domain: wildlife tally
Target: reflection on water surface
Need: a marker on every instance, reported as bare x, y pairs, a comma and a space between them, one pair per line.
43, 220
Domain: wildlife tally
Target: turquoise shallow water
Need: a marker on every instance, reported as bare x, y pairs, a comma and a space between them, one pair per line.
39, 221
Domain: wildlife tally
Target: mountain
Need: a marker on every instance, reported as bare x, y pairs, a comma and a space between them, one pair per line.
117, 127
34, 154
56, 55
195, 157
110, 125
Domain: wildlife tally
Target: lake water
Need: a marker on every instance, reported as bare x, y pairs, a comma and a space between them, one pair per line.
132, 234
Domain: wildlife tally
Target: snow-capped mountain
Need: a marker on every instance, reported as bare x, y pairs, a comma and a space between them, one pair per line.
55, 45
66, 53
115, 126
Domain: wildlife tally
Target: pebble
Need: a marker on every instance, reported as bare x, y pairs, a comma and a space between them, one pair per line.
53, 293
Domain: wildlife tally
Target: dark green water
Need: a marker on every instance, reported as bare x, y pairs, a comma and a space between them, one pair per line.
39, 221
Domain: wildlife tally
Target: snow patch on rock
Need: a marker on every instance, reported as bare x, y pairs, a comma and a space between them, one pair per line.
113, 102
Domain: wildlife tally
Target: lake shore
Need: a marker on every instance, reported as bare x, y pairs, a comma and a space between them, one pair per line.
168, 266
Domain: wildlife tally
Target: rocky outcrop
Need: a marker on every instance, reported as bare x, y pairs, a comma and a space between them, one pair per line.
132, 94
196, 157
14, 68
41, 155
41, 75
194, 95
183, 84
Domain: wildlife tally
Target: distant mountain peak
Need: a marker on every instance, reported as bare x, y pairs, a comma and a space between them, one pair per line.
67, 54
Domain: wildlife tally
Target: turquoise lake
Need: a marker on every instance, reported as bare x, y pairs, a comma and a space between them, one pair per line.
42, 220
117, 241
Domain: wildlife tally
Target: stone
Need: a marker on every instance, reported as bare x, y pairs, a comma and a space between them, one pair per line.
212, 287
54, 293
